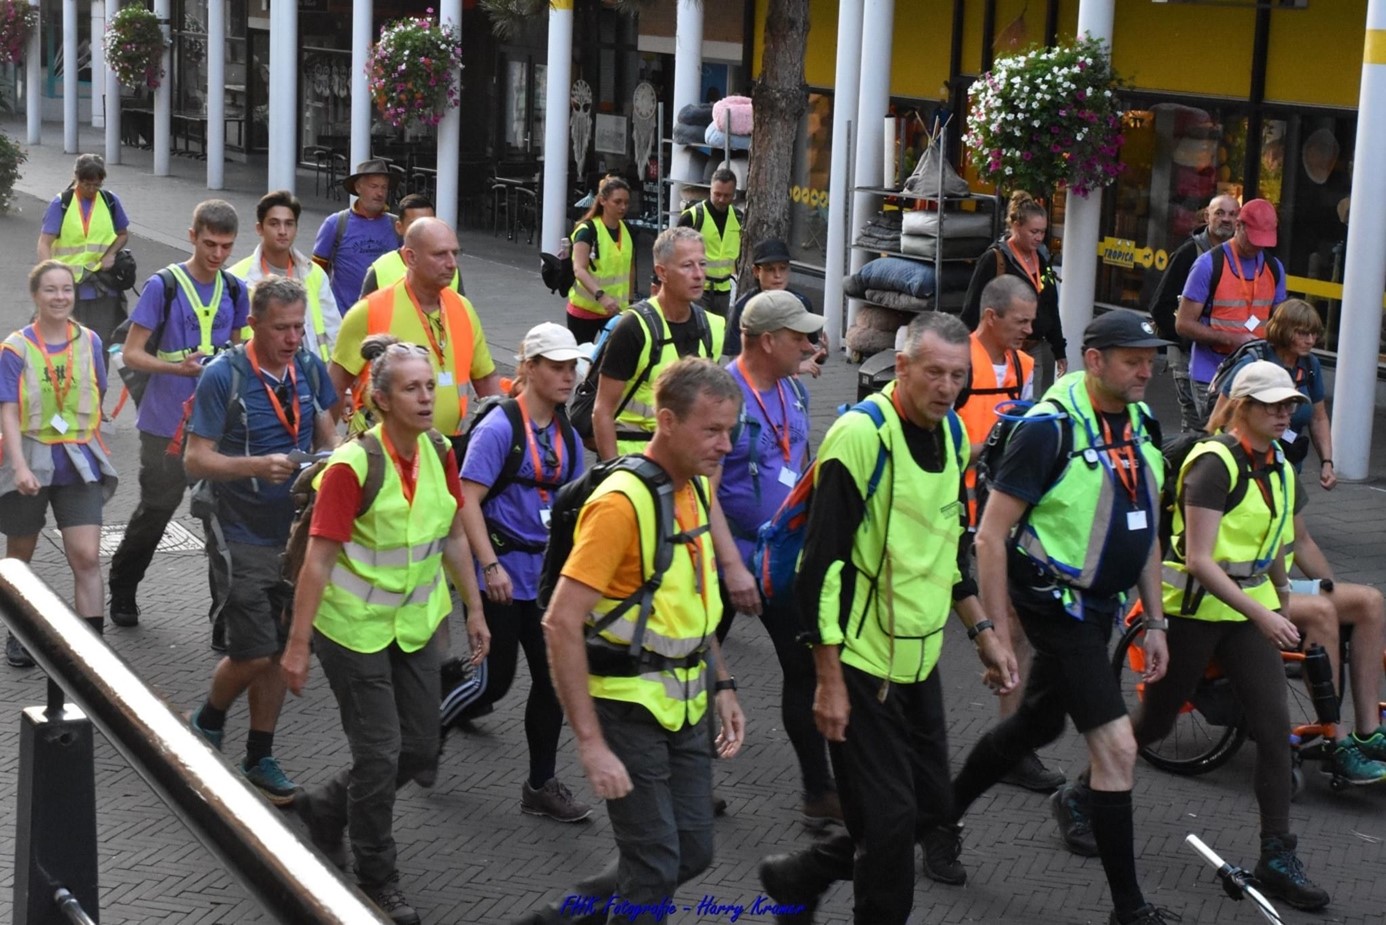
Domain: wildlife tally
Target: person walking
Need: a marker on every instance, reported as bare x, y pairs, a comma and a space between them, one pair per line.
389, 268
369, 600
350, 240
719, 222
770, 266
52, 381
603, 262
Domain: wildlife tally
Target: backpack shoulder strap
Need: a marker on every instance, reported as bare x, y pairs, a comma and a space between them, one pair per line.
170, 285
571, 445
66, 198
1218, 258
873, 411
375, 471
704, 329
340, 233
654, 329
441, 445
960, 447
591, 225
109, 199
1000, 261
514, 455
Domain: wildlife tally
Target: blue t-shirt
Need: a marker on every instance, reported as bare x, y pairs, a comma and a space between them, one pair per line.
53, 224
749, 494
162, 408
253, 511
12, 370
1308, 376
365, 240
1203, 361
517, 509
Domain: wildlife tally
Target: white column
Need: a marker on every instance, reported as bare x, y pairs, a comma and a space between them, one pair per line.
1365, 265
216, 91
878, 25
362, 11
688, 78
98, 64
449, 134
70, 76
1082, 219
112, 97
846, 91
556, 115
282, 166
163, 97
33, 99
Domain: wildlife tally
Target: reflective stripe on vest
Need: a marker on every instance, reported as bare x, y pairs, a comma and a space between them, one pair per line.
679, 623
611, 269
979, 412
1066, 533
721, 248
389, 269
83, 249
312, 285
1229, 309
639, 413
206, 315
1247, 542
386, 584
38, 401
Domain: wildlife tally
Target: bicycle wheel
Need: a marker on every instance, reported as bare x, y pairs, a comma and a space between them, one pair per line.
1195, 746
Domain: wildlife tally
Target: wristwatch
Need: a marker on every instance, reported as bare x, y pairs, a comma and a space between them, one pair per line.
978, 628
599, 294
727, 685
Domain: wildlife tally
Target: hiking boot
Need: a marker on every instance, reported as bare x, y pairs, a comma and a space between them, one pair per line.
783, 878
269, 777
1374, 745
1069, 806
942, 847
1350, 763
554, 800
328, 839
823, 809
1031, 774
213, 736
389, 898
1145, 915
1280, 875
16, 654
124, 610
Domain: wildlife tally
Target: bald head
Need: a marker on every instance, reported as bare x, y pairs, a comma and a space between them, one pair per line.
1222, 217
430, 254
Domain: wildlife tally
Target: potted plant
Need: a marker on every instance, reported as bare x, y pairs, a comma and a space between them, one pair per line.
17, 21
135, 46
11, 156
1046, 118
413, 71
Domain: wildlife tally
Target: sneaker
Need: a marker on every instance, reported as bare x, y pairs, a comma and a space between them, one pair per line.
1350, 763
719, 804
942, 847
269, 777
213, 736
1031, 774
1067, 805
389, 898
16, 654
326, 838
124, 610
554, 800
1280, 875
1374, 745
1145, 915
785, 886
821, 810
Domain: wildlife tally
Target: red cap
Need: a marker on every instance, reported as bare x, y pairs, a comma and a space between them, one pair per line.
1258, 218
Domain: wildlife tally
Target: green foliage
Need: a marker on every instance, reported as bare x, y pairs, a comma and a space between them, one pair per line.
135, 47
11, 156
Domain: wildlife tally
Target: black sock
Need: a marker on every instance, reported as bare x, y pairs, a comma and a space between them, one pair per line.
258, 745
210, 718
1114, 832
98, 624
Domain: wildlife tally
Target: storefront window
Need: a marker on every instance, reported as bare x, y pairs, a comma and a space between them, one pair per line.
808, 194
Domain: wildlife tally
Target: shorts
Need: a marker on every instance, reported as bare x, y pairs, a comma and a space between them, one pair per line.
1071, 669
257, 605
1308, 586
77, 504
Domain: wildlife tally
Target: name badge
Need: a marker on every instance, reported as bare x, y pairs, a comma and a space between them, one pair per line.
1253, 323
1135, 520
1289, 436
788, 477
58, 424
444, 380
545, 515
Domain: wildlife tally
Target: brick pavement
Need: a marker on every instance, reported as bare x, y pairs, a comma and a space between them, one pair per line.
468, 855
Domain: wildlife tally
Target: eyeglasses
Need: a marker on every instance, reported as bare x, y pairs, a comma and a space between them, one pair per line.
1278, 408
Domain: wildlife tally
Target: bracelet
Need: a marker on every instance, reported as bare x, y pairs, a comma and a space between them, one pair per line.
727, 685
1154, 626
978, 628
487, 568
1284, 589
1325, 462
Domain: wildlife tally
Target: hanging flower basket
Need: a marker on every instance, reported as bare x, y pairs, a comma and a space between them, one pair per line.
1047, 118
17, 22
135, 46
413, 71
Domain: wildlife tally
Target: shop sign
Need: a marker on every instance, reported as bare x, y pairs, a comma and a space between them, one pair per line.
1122, 252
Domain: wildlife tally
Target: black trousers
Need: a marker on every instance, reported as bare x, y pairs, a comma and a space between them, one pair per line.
162, 485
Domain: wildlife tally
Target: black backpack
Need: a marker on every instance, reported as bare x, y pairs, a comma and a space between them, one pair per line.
1008, 417
122, 274
1013, 392
1259, 349
605, 658
557, 272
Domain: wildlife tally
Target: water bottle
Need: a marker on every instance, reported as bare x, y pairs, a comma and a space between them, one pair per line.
1319, 675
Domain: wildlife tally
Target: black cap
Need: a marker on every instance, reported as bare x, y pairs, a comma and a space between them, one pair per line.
1121, 328
772, 250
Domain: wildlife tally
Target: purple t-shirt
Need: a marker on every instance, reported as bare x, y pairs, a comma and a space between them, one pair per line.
517, 508
12, 370
161, 411
365, 240
740, 485
53, 224
1203, 362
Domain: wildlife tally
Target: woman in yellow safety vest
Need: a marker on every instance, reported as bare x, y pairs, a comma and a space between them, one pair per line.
52, 381
370, 596
603, 262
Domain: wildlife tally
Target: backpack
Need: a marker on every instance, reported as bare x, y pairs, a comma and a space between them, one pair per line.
341, 229
584, 399
1008, 417
605, 658
1259, 349
1162, 309
1176, 451
1012, 391
557, 272
122, 274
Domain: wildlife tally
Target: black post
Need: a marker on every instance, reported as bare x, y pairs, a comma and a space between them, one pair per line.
55, 840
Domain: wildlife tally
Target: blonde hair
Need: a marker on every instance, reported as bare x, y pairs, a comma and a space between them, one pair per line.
1024, 207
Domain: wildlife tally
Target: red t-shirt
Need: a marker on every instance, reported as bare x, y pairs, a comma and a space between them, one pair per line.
339, 496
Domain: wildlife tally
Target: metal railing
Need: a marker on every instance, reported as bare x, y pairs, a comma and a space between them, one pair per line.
55, 854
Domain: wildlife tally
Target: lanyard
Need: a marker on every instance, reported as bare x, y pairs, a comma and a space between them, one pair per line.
408, 472
60, 392
1268, 457
206, 314
695, 549
86, 214
1120, 459
427, 325
1035, 277
279, 410
1248, 283
267, 270
781, 437
534, 452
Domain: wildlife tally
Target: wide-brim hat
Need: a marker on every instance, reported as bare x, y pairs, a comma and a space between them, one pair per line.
367, 168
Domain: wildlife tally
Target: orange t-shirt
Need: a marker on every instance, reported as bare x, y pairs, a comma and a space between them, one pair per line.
606, 549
